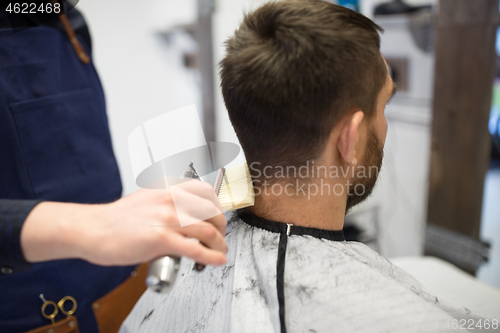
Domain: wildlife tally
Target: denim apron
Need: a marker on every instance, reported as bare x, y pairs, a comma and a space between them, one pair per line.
54, 145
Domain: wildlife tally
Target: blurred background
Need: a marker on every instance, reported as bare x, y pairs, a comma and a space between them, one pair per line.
154, 56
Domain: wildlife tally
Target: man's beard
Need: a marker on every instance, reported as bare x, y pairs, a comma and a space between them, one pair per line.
373, 158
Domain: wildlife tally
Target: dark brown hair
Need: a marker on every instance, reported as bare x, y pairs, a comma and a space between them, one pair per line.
291, 70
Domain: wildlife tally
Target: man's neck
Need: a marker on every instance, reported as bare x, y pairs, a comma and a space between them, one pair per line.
315, 210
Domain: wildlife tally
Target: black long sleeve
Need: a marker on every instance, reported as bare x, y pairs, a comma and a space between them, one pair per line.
13, 213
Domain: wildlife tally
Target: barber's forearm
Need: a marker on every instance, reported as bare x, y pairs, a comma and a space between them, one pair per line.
55, 230
134, 229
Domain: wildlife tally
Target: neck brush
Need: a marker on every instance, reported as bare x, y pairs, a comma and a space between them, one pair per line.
234, 188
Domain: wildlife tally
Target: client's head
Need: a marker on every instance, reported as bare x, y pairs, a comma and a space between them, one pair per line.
305, 86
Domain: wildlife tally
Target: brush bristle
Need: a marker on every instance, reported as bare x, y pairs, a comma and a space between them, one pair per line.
237, 189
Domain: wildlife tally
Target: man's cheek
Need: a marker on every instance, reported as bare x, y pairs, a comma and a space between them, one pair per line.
386, 128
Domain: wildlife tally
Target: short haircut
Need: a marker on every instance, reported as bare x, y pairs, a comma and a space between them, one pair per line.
291, 70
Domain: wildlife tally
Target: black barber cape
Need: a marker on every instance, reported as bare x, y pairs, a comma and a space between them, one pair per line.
283, 278
54, 145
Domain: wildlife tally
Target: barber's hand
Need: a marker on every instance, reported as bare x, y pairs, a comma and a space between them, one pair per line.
134, 229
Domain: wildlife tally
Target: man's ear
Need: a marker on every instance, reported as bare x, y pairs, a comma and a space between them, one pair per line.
349, 136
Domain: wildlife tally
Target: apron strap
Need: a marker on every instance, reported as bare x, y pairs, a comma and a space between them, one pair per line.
80, 52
